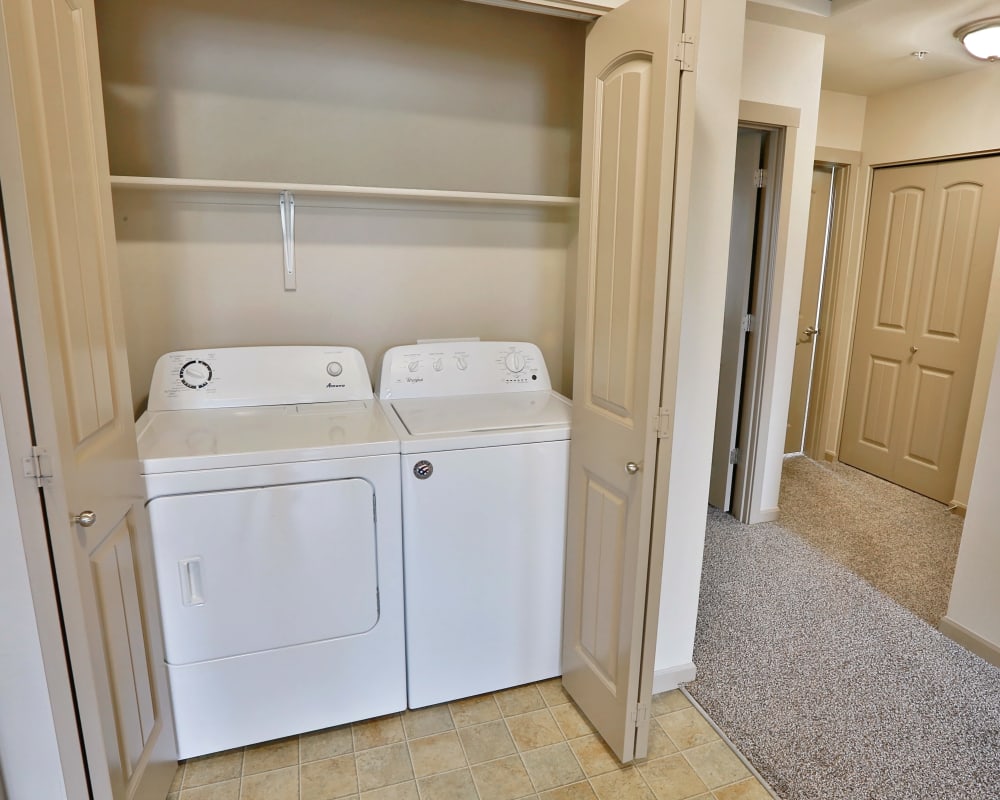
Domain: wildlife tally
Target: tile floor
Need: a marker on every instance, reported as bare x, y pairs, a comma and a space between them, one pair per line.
527, 742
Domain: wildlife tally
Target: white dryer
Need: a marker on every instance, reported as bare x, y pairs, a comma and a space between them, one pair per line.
484, 447
272, 479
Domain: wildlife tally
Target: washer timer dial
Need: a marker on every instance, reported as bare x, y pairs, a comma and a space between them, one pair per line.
195, 374
515, 361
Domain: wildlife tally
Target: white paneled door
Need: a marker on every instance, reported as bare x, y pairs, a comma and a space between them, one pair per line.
629, 236
57, 204
929, 255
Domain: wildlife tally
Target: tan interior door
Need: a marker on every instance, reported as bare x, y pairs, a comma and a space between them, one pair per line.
742, 255
928, 262
58, 208
809, 307
631, 96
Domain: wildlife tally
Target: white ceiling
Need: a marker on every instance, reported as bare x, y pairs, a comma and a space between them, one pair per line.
869, 42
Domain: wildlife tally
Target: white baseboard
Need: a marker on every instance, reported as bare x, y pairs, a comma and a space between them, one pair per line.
670, 678
765, 515
986, 650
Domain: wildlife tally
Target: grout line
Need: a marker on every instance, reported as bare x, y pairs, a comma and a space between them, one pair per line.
729, 743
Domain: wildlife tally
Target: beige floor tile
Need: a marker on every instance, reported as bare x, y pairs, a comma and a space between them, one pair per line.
326, 743
572, 723
328, 778
749, 789
175, 785
623, 784
173, 796
575, 791
487, 742
427, 721
672, 778
401, 791
669, 701
280, 784
441, 752
213, 768
549, 767
378, 732
536, 729
474, 710
504, 779
716, 764
687, 728
594, 755
456, 785
226, 790
659, 743
519, 700
271, 755
553, 693
383, 766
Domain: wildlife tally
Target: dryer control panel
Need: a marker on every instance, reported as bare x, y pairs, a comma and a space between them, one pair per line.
230, 377
440, 369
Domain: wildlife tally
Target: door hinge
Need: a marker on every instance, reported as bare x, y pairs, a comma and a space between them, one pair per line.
638, 716
684, 52
746, 324
38, 466
734, 456
760, 178
663, 424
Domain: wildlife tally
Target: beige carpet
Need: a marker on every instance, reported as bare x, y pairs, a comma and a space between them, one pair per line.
902, 543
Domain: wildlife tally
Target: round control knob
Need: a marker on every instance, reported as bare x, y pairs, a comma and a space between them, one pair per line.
461, 362
195, 374
515, 362
334, 368
438, 365
413, 366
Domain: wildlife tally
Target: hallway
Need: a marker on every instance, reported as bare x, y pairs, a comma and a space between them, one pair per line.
900, 542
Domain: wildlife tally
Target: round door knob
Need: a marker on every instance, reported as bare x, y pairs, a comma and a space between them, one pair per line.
631, 468
84, 519
913, 349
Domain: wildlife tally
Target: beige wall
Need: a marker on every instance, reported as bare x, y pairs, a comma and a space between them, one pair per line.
716, 116
947, 117
975, 594
841, 120
199, 274
438, 94
435, 94
783, 67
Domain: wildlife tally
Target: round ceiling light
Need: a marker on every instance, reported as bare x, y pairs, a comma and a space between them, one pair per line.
981, 39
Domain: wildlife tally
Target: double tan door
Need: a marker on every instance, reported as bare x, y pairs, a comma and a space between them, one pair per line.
931, 247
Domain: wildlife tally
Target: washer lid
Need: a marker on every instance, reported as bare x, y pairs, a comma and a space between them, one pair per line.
173, 441
429, 416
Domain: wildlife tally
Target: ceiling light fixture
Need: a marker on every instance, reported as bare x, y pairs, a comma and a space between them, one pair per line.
981, 38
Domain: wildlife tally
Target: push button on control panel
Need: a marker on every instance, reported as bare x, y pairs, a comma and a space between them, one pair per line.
334, 369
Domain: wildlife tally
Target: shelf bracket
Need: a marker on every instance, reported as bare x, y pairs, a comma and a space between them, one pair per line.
286, 206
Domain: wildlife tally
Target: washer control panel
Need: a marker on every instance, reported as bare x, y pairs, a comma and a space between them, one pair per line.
229, 377
438, 369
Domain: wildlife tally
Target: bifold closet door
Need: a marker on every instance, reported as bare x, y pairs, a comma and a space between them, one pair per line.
929, 255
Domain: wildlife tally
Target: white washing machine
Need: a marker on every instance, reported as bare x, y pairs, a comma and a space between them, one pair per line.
484, 447
273, 485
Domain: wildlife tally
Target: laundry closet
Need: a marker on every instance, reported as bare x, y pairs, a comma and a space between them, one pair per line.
431, 149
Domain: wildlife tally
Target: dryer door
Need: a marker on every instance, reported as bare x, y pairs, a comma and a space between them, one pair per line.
256, 569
